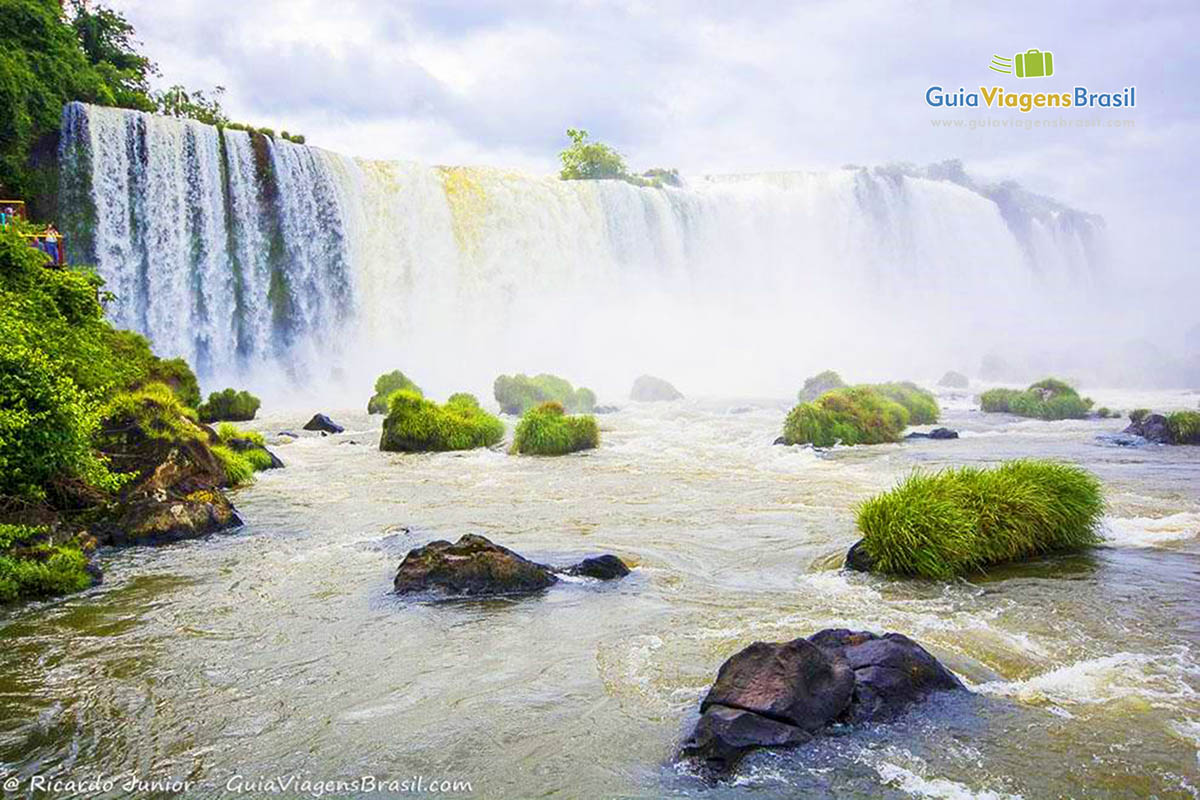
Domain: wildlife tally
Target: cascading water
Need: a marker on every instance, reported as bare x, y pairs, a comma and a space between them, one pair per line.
255, 256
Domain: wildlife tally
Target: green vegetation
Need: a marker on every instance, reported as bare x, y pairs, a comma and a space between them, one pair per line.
1138, 414
1047, 399
31, 566
547, 430
238, 469
962, 520
152, 411
1184, 427
1104, 412
516, 394
248, 446
819, 384
229, 404
586, 159
850, 415
53, 53
920, 404
415, 424
385, 385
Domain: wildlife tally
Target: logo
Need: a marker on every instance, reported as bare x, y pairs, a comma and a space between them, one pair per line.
1030, 64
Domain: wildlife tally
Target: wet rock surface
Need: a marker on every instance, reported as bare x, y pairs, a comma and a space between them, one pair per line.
320, 422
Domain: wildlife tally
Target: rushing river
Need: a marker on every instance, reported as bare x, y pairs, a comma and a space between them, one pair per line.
277, 649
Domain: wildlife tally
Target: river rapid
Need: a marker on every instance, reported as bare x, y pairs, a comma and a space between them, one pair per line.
277, 650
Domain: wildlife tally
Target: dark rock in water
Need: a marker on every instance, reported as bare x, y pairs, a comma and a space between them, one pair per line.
780, 695
779, 440
1152, 428
741, 410
1122, 439
605, 410
649, 389
936, 433
890, 672
724, 735
605, 567
794, 682
320, 422
472, 566
857, 558
288, 433
954, 380
148, 520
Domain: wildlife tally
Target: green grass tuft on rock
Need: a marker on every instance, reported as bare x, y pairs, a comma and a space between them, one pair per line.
387, 384
851, 415
229, 404
516, 394
1048, 399
415, 424
959, 521
548, 431
31, 566
1184, 427
239, 467
921, 405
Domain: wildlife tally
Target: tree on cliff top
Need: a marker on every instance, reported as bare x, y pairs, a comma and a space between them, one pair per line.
590, 160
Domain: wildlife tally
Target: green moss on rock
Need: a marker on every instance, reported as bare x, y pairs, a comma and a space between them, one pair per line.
415, 424
962, 520
33, 566
548, 431
385, 385
516, 394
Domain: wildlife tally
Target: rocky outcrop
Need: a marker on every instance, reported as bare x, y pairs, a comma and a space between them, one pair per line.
954, 380
1152, 428
936, 433
474, 566
857, 558
649, 389
322, 423
784, 694
249, 445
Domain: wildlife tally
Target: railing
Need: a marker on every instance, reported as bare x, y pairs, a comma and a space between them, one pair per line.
49, 241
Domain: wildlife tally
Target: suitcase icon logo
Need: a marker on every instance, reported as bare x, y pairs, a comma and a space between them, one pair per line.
1030, 64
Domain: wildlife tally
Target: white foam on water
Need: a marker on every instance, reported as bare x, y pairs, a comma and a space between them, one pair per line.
1151, 531
940, 788
1119, 677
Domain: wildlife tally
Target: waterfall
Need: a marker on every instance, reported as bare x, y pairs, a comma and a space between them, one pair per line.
252, 256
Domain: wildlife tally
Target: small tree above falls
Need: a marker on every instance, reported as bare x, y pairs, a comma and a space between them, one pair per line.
588, 160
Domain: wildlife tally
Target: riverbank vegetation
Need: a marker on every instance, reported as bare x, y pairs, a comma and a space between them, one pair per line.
516, 394
385, 385
549, 431
229, 404
959, 521
415, 424
1048, 399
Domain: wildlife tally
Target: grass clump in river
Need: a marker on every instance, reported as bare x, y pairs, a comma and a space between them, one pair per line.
1048, 399
1184, 427
548, 431
229, 404
415, 424
851, 415
385, 385
961, 520
32, 566
920, 404
516, 394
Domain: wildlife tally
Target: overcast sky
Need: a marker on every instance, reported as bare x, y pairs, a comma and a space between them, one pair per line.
712, 87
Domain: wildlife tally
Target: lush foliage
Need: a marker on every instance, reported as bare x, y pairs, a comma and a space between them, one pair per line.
851, 415
248, 446
152, 411
1047, 399
238, 467
415, 424
1138, 414
819, 384
32, 566
547, 430
920, 404
586, 159
1184, 427
385, 385
962, 520
229, 404
516, 394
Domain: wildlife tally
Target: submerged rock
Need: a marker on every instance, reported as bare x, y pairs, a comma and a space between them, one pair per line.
954, 380
936, 433
782, 694
605, 409
1152, 428
857, 558
474, 566
649, 389
320, 422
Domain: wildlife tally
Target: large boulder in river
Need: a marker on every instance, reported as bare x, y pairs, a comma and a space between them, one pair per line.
474, 566
649, 389
1151, 427
782, 694
954, 380
322, 423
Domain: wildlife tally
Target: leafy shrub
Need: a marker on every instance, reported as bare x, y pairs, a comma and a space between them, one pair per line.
250, 445
1184, 427
1138, 414
31, 566
962, 520
153, 411
238, 468
920, 404
175, 373
819, 384
850, 415
415, 424
1048, 399
385, 384
588, 160
229, 404
516, 394
547, 431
